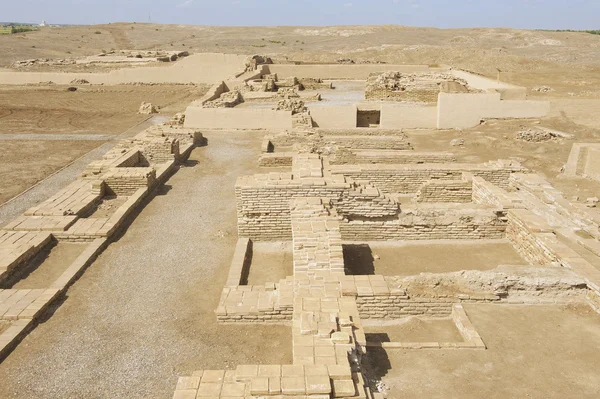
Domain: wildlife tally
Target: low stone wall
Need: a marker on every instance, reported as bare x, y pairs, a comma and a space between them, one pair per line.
529, 235
116, 158
486, 193
397, 133
254, 304
398, 306
276, 159
367, 142
445, 191
126, 181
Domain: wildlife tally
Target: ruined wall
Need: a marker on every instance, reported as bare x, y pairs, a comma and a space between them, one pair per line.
361, 132
531, 244
445, 191
343, 157
261, 304
398, 306
340, 71
263, 202
126, 181
409, 178
160, 150
435, 224
276, 159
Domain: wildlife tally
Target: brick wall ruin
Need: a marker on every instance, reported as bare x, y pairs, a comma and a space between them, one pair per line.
409, 178
412, 87
445, 191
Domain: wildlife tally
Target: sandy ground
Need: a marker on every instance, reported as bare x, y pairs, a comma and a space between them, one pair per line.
143, 313
556, 58
24, 163
414, 329
409, 258
271, 262
107, 207
533, 352
496, 139
51, 110
46, 267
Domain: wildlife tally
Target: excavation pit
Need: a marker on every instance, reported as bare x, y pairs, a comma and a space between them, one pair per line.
45, 267
444, 256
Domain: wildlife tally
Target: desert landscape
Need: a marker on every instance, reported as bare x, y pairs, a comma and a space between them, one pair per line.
299, 212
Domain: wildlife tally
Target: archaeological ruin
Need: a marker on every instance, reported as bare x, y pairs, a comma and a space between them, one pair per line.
353, 201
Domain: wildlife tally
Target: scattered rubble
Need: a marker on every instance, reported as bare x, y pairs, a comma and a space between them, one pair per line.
177, 120
226, 100
291, 104
457, 142
535, 135
79, 82
543, 89
412, 87
147, 109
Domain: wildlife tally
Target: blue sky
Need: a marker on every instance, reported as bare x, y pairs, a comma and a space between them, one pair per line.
532, 14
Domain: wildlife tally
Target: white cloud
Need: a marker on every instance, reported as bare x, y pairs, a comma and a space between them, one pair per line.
348, 5
185, 4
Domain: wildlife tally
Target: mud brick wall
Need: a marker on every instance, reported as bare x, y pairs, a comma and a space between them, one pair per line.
486, 193
315, 84
276, 159
397, 133
397, 306
367, 142
414, 95
445, 191
263, 202
254, 304
434, 225
126, 181
530, 244
130, 160
408, 179
264, 210
343, 157
161, 150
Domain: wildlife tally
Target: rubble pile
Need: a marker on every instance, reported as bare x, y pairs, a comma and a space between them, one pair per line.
291, 104
147, 109
227, 100
535, 135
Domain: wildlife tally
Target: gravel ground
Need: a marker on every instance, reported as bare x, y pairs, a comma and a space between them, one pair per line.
142, 314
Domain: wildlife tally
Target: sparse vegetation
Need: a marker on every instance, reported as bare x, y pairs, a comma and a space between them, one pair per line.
593, 32
97, 32
11, 29
275, 41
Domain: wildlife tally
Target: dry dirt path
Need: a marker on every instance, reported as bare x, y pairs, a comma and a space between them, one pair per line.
142, 314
